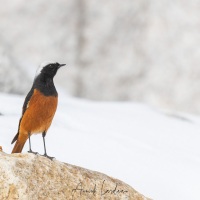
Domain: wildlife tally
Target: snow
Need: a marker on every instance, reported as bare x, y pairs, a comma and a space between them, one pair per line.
155, 153
140, 50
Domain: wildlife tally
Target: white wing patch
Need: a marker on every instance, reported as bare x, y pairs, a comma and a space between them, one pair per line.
27, 105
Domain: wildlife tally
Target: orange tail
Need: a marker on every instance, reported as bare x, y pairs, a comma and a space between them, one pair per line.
19, 146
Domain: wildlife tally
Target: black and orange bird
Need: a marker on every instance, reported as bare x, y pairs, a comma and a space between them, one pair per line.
39, 107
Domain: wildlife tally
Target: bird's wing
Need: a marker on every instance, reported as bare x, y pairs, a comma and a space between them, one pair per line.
25, 106
27, 100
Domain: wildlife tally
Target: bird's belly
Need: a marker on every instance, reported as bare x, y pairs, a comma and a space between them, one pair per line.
39, 114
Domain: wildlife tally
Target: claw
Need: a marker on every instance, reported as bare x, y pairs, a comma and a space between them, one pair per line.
49, 157
30, 151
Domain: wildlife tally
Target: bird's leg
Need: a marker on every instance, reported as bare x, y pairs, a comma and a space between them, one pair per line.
30, 150
45, 152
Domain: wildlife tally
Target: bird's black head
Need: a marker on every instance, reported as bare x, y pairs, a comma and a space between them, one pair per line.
49, 70
44, 78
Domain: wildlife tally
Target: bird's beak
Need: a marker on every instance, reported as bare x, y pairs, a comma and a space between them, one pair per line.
61, 65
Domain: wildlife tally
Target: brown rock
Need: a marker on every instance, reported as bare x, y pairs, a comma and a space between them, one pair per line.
33, 177
0, 148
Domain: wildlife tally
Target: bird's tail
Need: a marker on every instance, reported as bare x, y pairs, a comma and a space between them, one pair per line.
19, 145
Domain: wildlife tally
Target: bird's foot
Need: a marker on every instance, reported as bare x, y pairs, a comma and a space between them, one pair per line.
49, 157
30, 151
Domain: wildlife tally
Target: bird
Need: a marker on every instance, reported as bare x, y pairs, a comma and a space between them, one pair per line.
39, 107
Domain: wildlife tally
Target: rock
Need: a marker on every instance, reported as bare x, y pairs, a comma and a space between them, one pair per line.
33, 177
0, 148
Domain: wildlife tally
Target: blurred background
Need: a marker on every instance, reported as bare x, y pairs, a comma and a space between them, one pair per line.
141, 50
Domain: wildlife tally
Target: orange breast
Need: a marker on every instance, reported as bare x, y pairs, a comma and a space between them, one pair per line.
39, 113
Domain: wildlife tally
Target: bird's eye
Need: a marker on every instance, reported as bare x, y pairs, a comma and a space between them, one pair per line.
51, 66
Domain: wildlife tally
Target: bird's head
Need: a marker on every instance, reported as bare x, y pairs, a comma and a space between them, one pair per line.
49, 69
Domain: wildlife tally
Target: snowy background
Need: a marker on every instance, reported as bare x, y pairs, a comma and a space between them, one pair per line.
144, 53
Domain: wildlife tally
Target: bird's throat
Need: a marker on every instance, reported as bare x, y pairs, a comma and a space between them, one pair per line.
45, 85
